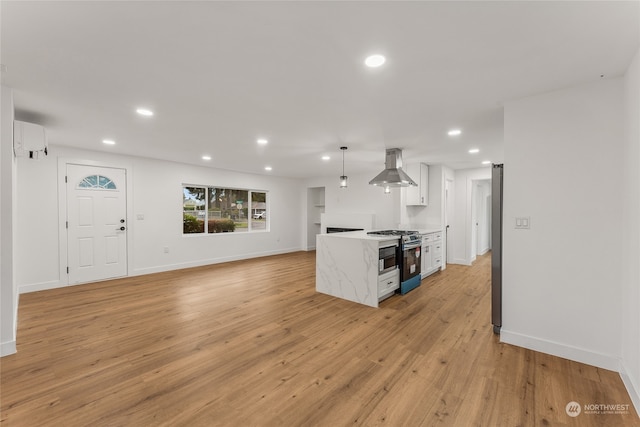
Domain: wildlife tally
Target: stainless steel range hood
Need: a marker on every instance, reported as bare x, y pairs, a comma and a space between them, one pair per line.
393, 175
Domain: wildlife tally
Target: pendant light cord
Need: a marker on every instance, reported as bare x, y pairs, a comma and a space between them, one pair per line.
343, 178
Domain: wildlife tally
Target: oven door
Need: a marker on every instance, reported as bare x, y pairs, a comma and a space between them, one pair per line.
410, 270
410, 263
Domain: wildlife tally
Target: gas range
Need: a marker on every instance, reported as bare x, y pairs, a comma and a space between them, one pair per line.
408, 256
407, 237
392, 232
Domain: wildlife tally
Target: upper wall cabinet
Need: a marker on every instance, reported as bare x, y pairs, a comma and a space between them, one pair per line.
418, 196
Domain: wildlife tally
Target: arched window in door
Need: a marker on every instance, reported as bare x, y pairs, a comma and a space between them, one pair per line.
97, 182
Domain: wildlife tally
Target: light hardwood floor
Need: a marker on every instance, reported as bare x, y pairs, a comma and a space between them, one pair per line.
251, 343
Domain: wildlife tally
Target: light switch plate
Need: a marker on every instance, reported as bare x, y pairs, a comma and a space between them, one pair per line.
523, 222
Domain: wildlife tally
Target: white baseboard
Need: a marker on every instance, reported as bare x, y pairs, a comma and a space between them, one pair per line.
483, 251
459, 261
577, 354
200, 263
43, 286
34, 287
7, 348
632, 388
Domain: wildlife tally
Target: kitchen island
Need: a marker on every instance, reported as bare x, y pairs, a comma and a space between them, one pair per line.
347, 267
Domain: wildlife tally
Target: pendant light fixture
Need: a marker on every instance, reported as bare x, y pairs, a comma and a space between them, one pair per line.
343, 177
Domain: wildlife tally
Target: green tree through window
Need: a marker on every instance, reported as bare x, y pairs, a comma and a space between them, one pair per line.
223, 210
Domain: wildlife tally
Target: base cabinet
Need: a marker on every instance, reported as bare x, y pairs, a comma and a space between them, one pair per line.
431, 253
388, 283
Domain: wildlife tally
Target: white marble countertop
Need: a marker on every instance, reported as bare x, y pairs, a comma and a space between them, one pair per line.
362, 235
347, 266
365, 236
429, 230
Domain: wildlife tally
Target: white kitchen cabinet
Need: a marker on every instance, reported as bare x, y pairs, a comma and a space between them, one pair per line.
427, 258
388, 283
436, 253
431, 253
418, 196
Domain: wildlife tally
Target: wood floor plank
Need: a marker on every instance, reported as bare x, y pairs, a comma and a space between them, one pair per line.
251, 343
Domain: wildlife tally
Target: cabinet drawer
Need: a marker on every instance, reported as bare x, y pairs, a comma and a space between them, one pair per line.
437, 262
431, 237
437, 249
388, 283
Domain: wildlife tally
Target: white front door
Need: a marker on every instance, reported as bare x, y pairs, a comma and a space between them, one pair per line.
96, 223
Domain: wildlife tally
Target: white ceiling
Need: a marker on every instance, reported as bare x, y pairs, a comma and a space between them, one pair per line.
219, 75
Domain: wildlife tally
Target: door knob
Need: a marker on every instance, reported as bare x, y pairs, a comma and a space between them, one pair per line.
121, 228
122, 221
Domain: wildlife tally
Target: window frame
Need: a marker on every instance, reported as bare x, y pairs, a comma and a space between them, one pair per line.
108, 186
250, 220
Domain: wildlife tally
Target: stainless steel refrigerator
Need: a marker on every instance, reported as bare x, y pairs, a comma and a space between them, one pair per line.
497, 176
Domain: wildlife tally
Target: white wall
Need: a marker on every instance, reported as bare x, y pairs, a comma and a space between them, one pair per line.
431, 215
359, 198
8, 287
561, 278
631, 243
434, 214
156, 188
462, 230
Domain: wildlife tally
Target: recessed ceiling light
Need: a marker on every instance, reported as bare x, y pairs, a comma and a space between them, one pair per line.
486, 162
474, 150
268, 168
326, 158
109, 141
205, 157
374, 61
262, 141
454, 132
144, 112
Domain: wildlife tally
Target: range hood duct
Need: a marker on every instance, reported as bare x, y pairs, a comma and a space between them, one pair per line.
393, 175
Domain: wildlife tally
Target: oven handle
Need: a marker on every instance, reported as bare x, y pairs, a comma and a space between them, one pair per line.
389, 246
411, 245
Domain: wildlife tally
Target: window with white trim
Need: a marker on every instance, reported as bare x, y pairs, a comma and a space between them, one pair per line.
223, 210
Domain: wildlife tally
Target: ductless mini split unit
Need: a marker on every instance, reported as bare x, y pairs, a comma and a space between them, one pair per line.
29, 140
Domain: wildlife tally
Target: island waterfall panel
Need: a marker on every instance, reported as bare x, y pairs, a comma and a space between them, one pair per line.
347, 268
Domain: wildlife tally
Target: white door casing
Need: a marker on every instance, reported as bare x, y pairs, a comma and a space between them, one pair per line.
448, 219
96, 223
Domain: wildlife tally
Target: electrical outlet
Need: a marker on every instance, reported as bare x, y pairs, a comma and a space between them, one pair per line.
166, 249
139, 217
